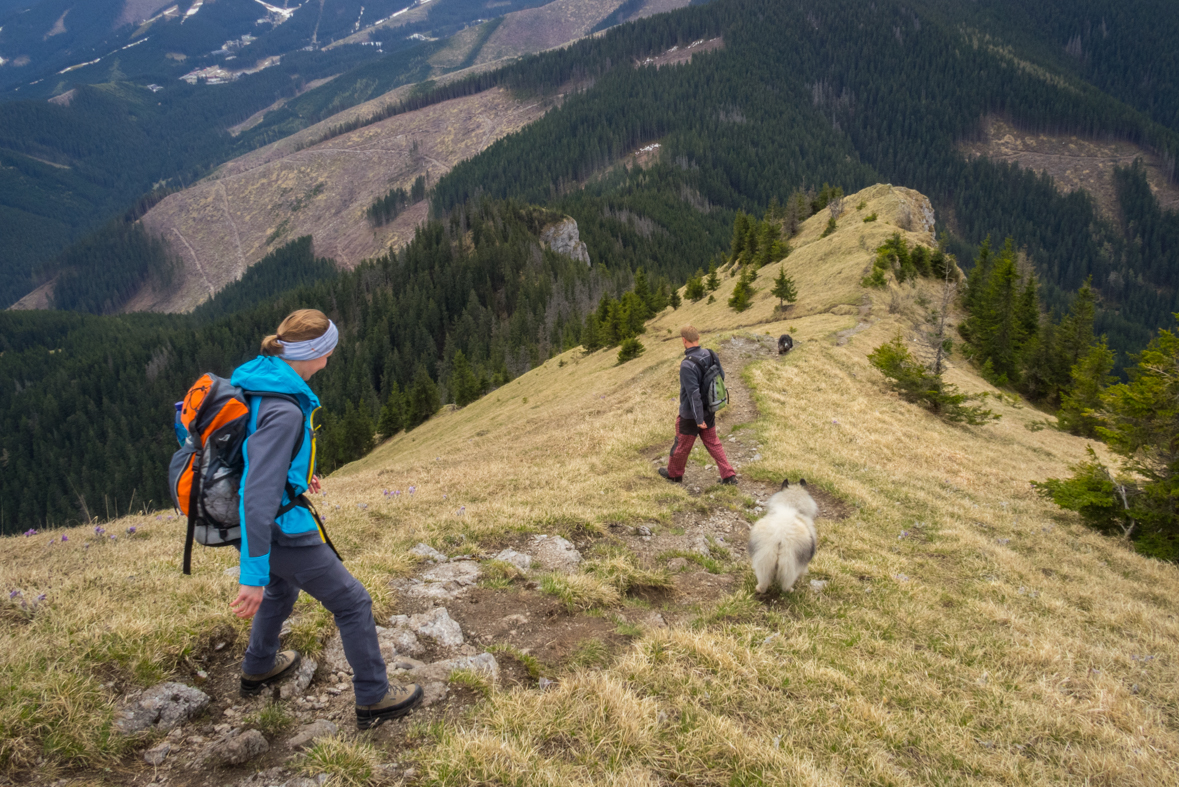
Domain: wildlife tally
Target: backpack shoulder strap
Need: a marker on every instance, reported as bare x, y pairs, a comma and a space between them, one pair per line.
292, 400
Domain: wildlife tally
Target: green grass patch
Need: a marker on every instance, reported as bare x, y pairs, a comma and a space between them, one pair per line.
271, 719
530, 663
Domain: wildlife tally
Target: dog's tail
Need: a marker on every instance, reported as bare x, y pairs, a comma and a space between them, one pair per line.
764, 557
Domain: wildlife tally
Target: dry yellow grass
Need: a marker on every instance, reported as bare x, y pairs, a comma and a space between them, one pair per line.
970, 633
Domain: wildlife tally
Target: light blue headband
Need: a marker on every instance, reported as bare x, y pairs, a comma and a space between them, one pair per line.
312, 348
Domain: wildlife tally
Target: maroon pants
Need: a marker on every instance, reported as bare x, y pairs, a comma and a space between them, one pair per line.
683, 446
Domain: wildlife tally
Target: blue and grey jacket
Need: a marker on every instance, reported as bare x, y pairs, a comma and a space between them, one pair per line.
691, 378
270, 474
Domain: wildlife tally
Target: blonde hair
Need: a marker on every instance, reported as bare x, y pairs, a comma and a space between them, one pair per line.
299, 326
690, 333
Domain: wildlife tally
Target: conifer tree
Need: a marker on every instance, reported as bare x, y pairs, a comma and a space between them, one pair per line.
464, 385
740, 231
423, 398
784, 289
694, 290
1090, 377
392, 417
742, 293
712, 282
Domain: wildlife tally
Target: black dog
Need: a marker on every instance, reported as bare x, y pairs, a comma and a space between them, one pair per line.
785, 344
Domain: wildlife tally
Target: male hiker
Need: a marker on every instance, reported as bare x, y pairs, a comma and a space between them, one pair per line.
695, 416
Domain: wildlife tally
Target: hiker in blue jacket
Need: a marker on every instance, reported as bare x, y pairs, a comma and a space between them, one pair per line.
284, 548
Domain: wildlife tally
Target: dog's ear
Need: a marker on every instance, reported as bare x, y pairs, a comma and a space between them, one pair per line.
785, 483
802, 481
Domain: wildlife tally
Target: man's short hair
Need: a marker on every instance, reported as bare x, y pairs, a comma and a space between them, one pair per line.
690, 334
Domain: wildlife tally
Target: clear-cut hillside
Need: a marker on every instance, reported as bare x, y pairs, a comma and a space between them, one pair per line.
254, 204
955, 628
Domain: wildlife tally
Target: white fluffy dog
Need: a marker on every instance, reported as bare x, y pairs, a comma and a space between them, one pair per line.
782, 542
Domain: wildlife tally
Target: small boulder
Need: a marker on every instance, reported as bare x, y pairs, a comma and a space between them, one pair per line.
155, 755
434, 692
320, 728
517, 559
164, 707
442, 582
243, 748
677, 564
440, 670
295, 685
428, 552
333, 654
437, 625
555, 553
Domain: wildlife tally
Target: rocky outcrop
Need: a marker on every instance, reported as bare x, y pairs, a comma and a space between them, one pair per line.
564, 238
556, 553
163, 707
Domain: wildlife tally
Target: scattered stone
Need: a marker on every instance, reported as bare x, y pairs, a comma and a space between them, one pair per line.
279, 777
556, 553
756, 458
406, 663
517, 559
441, 582
164, 707
643, 530
677, 564
298, 683
155, 756
518, 619
399, 640
319, 728
233, 571
546, 684
433, 693
428, 552
333, 654
818, 585
700, 546
438, 625
244, 747
440, 670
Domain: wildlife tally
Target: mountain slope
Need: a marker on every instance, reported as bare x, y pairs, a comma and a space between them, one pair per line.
963, 631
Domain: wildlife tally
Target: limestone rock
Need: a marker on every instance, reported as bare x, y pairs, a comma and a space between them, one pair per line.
517, 559
156, 755
429, 553
555, 553
438, 626
333, 654
442, 582
677, 564
399, 640
320, 728
280, 777
434, 692
440, 670
164, 707
244, 747
564, 238
295, 685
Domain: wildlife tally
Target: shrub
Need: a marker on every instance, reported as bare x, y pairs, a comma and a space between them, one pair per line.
917, 384
630, 349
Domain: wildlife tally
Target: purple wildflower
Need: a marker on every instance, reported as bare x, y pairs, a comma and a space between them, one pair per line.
131, 530
41, 597
30, 532
99, 530
462, 510
65, 539
14, 594
412, 489
159, 516
86, 546
114, 537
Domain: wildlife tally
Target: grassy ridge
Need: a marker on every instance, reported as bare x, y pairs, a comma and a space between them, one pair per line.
969, 633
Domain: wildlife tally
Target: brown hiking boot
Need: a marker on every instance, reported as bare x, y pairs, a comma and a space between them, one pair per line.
398, 701
284, 662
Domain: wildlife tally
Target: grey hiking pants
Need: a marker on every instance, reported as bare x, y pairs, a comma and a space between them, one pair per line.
317, 570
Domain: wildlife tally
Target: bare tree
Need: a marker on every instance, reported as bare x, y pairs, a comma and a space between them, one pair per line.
835, 205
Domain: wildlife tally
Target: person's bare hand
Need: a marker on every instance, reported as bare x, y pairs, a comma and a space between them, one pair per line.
313, 485
702, 426
249, 598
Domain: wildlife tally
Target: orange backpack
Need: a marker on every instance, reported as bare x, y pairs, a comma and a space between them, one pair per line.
206, 472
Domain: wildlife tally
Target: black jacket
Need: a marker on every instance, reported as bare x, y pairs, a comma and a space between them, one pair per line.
691, 377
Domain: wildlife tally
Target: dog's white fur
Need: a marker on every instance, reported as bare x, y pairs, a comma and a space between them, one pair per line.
782, 542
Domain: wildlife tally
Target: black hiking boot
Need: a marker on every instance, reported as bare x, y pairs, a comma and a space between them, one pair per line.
679, 479
730, 481
398, 701
252, 685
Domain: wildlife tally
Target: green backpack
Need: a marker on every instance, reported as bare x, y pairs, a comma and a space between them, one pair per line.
713, 392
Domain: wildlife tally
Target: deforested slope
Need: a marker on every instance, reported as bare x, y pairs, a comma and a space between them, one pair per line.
954, 628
